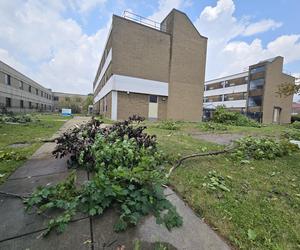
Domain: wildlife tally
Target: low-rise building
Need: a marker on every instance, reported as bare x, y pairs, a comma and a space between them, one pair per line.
253, 92
19, 93
67, 100
155, 70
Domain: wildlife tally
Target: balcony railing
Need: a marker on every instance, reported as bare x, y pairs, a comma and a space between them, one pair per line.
145, 21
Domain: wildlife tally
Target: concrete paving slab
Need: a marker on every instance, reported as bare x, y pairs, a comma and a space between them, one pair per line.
193, 235
76, 236
37, 167
25, 186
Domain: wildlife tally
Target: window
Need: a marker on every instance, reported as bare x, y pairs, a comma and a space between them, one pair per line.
205, 99
153, 98
21, 85
29, 88
8, 102
36, 91
255, 101
30, 105
55, 98
36, 105
257, 84
21, 104
258, 69
7, 80
42, 93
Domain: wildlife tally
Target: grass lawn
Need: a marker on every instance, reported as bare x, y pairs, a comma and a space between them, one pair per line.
44, 128
262, 208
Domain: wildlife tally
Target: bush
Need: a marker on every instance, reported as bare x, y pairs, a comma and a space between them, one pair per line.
222, 115
291, 134
212, 126
128, 174
295, 125
16, 118
295, 118
168, 125
248, 148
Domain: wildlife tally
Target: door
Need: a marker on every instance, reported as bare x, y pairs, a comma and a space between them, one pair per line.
153, 107
276, 115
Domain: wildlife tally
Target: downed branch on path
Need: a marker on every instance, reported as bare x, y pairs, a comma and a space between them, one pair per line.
128, 174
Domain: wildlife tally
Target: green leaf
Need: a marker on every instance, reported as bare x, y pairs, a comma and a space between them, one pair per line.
251, 234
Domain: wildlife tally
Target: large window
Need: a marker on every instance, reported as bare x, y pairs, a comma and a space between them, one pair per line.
257, 84
255, 101
21, 85
7, 80
21, 104
29, 88
55, 98
8, 102
30, 105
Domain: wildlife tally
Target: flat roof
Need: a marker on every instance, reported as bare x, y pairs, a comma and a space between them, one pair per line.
234, 76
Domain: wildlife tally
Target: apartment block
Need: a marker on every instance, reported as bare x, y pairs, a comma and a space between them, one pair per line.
156, 70
18, 93
253, 92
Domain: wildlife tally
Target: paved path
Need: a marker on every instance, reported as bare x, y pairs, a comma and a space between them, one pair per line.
22, 230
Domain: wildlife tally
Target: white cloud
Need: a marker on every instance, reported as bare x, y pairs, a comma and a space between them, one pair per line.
85, 5
51, 49
226, 54
164, 7
261, 26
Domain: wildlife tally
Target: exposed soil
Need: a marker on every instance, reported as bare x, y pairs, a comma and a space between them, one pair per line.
223, 139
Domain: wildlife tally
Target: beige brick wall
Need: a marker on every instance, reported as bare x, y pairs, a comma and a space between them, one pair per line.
100, 106
139, 51
275, 77
132, 104
187, 69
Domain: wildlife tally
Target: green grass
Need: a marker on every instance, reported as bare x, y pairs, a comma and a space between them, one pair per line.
44, 128
262, 209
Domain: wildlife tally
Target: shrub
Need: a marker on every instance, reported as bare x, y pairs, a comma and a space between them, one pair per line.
16, 118
295, 118
168, 125
222, 115
262, 148
128, 174
295, 125
213, 126
291, 134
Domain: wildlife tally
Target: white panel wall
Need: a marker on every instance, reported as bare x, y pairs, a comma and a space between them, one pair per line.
133, 84
226, 78
105, 66
227, 104
228, 90
114, 105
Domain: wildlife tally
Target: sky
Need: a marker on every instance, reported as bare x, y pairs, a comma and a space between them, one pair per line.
58, 43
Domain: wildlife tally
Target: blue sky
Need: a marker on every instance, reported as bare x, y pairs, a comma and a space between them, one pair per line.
59, 42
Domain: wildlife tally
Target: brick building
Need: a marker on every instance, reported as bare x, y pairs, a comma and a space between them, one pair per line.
18, 93
253, 92
156, 70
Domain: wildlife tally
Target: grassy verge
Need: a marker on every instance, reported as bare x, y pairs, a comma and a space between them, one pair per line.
261, 210
43, 128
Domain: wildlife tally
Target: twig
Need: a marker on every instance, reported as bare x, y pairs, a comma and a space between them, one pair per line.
179, 162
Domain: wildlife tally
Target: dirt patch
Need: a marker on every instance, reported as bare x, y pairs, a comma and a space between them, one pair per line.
223, 139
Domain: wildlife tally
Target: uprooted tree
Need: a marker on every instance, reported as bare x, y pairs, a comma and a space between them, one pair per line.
128, 174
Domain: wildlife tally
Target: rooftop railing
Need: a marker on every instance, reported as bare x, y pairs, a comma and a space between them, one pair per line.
145, 21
